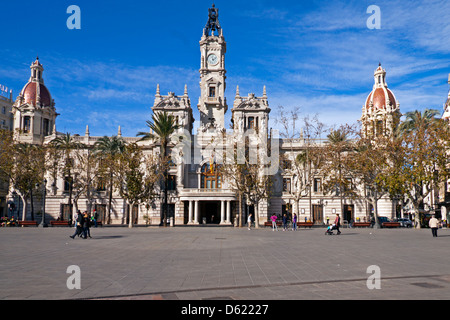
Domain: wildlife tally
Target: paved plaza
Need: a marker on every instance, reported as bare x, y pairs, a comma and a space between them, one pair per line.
221, 263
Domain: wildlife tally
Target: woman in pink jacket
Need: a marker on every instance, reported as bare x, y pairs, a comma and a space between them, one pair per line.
274, 222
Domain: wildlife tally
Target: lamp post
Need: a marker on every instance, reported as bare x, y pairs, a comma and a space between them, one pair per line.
43, 224
12, 208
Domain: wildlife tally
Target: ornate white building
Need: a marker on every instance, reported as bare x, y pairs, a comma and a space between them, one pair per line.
198, 194
381, 112
6, 102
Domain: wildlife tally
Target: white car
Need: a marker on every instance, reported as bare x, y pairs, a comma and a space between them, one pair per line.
405, 222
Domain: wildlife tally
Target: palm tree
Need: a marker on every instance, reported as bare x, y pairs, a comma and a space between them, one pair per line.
416, 121
337, 137
66, 144
419, 132
162, 127
108, 148
338, 140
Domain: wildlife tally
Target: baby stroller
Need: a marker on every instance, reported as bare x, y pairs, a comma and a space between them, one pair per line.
330, 229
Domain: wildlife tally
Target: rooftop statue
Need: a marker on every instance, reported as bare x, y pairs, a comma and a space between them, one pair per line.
213, 20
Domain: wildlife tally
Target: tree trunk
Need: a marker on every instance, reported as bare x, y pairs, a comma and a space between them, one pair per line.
110, 197
32, 204
256, 207
24, 208
166, 182
166, 185
375, 210
240, 209
417, 218
70, 195
75, 204
130, 214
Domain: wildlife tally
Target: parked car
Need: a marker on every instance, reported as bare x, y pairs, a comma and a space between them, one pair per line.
405, 222
382, 219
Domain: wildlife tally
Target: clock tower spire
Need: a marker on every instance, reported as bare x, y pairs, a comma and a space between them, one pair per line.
212, 102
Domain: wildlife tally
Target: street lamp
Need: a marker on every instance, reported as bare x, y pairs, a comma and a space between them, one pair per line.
12, 208
43, 224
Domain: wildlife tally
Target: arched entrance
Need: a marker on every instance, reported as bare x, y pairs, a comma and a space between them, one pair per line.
210, 212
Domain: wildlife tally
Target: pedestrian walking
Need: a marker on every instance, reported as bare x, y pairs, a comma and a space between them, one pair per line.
75, 217
337, 223
249, 221
78, 225
434, 225
95, 216
274, 222
294, 222
86, 226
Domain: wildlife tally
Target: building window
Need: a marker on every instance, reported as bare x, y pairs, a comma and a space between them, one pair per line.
27, 124
348, 184
101, 184
317, 184
286, 164
379, 128
67, 183
251, 123
46, 127
172, 183
211, 178
3, 110
286, 184
212, 92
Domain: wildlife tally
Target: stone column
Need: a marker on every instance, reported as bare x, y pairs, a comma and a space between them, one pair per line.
228, 212
196, 212
222, 212
191, 213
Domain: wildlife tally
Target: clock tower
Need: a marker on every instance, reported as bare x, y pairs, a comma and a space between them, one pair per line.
212, 103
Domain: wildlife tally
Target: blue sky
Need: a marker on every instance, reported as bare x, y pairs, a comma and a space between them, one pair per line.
316, 55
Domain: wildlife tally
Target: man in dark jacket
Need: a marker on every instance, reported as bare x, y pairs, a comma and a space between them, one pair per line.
86, 225
79, 228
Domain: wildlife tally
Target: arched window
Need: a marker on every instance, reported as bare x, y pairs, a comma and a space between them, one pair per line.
26, 124
211, 178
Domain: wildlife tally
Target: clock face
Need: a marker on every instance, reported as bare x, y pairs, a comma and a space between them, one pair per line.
213, 60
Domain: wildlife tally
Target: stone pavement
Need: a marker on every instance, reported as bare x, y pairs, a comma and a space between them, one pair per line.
223, 263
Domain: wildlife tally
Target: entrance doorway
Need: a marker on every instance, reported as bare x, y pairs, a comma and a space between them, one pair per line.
66, 212
209, 212
134, 214
317, 213
100, 209
170, 213
348, 212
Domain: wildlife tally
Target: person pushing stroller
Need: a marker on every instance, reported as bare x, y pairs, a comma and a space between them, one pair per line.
330, 229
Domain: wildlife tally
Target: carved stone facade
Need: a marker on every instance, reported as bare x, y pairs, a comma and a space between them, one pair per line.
446, 114
34, 109
381, 112
6, 123
200, 194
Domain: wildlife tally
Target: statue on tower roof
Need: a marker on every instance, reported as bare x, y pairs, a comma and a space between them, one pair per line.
213, 20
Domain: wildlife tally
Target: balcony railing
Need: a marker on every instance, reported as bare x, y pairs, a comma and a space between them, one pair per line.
200, 190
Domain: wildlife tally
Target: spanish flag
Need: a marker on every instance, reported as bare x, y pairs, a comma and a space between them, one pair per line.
211, 164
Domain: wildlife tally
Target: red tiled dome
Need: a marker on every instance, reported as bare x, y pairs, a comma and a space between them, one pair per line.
29, 92
380, 97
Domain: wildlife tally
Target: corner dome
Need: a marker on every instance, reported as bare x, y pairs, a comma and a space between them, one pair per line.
381, 96
34, 92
